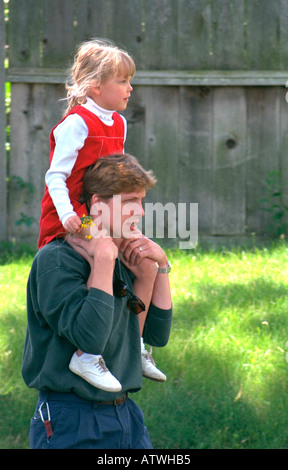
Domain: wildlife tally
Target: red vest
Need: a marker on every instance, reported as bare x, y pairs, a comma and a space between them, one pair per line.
102, 140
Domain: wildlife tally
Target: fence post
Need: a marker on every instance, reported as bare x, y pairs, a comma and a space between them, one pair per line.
3, 159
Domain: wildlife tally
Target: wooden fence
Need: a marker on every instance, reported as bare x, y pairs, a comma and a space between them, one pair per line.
3, 161
208, 112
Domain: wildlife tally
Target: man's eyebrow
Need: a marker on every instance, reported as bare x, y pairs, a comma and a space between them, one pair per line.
131, 198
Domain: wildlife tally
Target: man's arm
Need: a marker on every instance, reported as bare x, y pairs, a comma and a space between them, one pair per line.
83, 317
149, 285
101, 254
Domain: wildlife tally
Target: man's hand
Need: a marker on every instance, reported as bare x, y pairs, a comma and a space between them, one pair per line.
135, 250
143, 257
147, 269
102, 248
101, 254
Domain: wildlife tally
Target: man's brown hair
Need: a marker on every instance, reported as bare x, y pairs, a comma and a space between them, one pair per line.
115, 174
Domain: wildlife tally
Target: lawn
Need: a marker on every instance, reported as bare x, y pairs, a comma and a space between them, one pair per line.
225, 362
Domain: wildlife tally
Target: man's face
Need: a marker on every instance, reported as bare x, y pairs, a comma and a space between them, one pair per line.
119, 216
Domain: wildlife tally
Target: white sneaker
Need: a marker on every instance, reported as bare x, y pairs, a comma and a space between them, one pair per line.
149, 368
95, 372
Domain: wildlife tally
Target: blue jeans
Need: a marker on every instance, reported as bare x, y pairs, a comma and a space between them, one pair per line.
83, 424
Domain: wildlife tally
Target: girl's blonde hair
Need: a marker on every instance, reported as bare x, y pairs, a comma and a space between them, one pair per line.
96, 61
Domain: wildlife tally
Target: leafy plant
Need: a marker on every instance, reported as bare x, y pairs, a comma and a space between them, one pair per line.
25, 219
23, 184
274, 204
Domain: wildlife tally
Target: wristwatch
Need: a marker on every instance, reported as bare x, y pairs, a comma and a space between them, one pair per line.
165, 270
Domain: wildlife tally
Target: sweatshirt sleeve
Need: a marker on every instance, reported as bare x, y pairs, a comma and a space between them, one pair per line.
84, 317
157, 326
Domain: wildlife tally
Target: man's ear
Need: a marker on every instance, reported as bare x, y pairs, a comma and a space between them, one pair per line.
95, 205
94, 199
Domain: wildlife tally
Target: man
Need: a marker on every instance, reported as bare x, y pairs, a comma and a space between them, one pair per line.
74, 302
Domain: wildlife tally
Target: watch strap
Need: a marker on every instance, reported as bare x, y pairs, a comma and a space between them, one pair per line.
165, 270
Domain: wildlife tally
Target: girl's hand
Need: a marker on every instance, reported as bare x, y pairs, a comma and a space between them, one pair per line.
73, 224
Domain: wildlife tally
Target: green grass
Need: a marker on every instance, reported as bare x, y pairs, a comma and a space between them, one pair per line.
16, 402
225, 362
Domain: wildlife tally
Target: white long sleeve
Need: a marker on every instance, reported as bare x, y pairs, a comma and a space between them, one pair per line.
70, 137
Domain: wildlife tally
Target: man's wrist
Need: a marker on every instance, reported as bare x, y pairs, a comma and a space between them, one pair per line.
164, 269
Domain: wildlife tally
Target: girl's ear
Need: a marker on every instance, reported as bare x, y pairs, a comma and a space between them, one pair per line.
94, 91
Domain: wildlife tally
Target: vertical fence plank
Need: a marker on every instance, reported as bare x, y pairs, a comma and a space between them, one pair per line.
193, 35
161, 34
283, 34
3, 161
283, 145
161, 150
262, 151
263, 38
229, 140
227, 35
162, 140
25, 24
92, 19
135, 114
57, 39
125, 27
195, 150
153, 139
119, 21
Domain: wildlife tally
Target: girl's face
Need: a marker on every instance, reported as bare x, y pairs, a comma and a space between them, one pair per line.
113, 94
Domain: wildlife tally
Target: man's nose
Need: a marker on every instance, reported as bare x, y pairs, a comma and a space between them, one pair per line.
140, 210
137, 209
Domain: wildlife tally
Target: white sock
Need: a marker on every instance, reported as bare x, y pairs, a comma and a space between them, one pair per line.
85, 357
142, 344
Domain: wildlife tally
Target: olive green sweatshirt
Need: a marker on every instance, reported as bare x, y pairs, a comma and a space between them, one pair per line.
63, 316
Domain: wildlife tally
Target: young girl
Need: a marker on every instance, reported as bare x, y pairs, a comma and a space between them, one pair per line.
91, 128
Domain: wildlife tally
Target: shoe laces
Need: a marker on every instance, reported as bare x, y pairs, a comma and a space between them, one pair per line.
148, 355
100, 364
